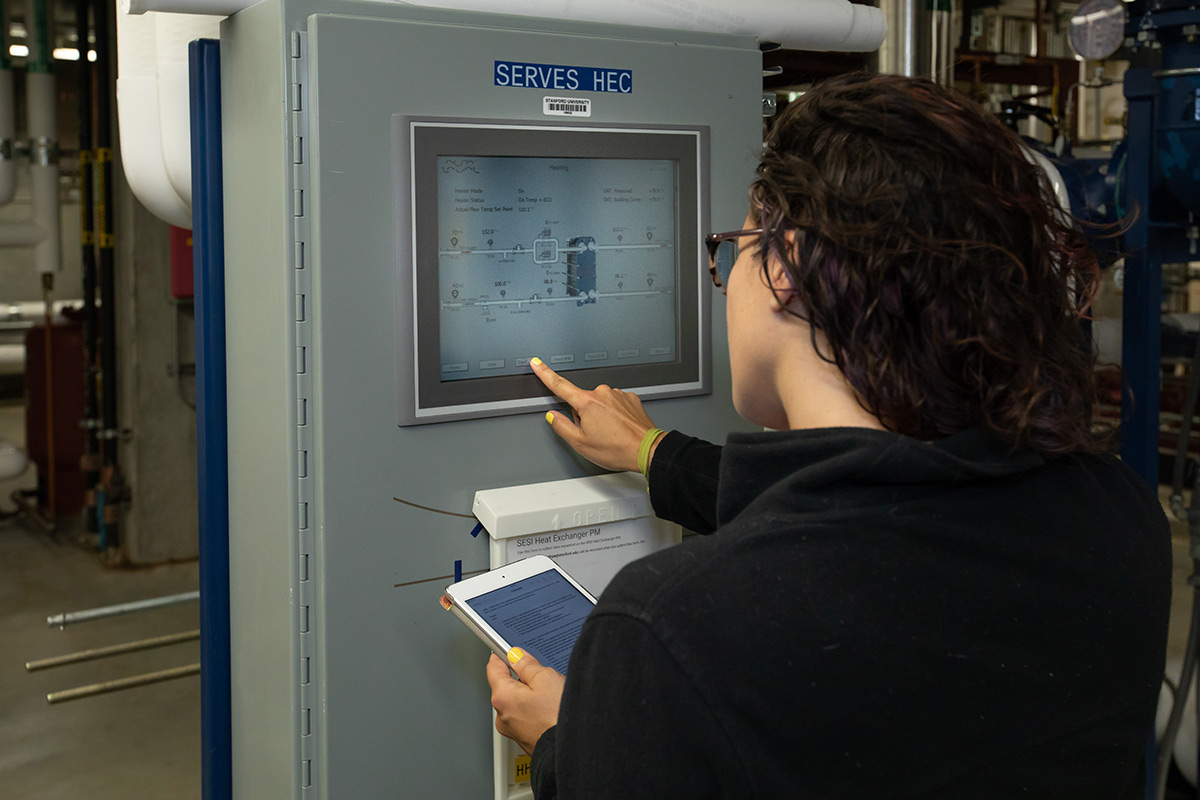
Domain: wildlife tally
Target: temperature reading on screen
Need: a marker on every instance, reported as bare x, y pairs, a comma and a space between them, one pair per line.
582, 247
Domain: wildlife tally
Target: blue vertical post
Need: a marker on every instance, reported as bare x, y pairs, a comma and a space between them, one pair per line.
208, 241
1141, 339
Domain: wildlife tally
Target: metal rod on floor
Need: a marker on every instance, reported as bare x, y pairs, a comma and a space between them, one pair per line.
94, 689
63, 620
112, 650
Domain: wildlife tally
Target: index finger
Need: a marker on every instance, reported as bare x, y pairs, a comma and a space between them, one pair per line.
556, 383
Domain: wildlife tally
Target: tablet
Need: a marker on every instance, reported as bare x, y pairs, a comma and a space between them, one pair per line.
532, 604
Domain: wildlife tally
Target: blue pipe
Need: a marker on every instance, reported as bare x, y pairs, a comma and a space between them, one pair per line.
212, 425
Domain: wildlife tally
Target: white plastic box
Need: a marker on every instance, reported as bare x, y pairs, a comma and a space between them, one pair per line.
591, 527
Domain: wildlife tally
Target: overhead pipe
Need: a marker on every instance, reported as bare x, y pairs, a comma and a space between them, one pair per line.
138, 111
836, 25
152, 88
152, 108
173, 33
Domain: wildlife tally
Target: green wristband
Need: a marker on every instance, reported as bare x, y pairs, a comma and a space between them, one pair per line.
644, 449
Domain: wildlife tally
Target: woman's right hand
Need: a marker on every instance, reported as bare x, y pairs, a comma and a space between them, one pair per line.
608, 424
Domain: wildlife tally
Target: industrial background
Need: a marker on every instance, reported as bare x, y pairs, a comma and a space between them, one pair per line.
115, 529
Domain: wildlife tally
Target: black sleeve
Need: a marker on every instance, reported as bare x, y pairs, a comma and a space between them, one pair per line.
631, 725
541, 767
683, 481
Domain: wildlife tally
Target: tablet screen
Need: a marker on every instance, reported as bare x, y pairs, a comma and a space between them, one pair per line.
542, 614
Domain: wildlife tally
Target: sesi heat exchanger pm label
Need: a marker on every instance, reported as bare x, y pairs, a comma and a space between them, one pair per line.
562, 78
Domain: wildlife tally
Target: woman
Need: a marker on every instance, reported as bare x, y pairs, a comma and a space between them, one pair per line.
926, 580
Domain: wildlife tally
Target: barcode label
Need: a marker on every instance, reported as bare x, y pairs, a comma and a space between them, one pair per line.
567, 106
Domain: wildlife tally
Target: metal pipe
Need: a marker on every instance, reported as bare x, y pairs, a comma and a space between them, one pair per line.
111, 494
51, 451
70, 618
122, 683
87, 238
909, 47
112, 650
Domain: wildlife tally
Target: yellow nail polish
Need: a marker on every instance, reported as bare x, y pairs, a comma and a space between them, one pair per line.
550, 417
535, 361
515, 655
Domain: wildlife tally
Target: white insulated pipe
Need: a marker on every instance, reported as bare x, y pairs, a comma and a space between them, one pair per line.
833, 25
42, 232
152, 87
42, 99
173, 33
138, 115
8, 132
220, 8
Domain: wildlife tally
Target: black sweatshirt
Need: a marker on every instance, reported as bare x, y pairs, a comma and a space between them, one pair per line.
875, 617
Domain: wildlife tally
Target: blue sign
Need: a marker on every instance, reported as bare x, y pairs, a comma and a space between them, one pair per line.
561, 78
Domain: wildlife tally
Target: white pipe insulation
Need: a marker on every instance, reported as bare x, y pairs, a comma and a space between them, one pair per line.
42, 102
834, 25
152, 87
43, 232
8, 132
173, 34
138, 115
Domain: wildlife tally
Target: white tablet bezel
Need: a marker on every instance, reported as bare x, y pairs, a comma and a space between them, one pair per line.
459, 594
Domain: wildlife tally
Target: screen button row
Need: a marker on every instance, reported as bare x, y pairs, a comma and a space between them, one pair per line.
560, 359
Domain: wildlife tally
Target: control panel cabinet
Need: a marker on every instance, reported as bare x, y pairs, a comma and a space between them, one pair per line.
349, 680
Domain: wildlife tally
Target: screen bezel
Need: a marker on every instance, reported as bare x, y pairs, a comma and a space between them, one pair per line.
425, 397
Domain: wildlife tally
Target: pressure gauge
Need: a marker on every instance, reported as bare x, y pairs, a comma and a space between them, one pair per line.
1098, 28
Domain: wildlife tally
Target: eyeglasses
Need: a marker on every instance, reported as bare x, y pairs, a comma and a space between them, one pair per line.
723, 253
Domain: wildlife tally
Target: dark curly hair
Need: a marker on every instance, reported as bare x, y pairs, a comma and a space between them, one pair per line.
931, 255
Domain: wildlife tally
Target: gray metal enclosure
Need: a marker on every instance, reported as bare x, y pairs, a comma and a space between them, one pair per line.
349, 680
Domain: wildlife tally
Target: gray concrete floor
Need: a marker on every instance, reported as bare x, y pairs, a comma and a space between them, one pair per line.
142, 742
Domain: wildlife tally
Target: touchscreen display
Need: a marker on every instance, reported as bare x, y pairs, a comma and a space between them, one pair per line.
570, 259
542, 614
578, 245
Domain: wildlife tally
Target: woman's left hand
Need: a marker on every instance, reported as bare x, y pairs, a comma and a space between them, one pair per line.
526, 707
